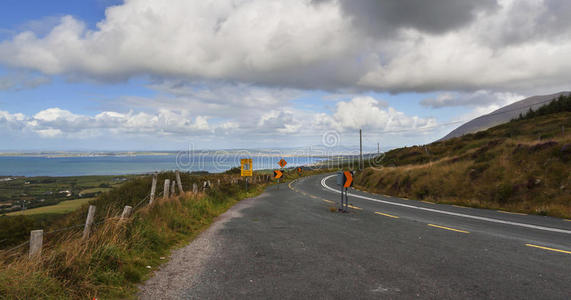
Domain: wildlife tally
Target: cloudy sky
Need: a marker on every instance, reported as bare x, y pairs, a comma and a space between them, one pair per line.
160, 75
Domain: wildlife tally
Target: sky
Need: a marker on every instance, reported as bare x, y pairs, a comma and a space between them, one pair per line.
145, 75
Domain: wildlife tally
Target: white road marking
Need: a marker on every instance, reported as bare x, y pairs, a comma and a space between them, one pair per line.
448, 212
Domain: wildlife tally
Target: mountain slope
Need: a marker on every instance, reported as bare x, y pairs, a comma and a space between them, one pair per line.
521, 166
502, 115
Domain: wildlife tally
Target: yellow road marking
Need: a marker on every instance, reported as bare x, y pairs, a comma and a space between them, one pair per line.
550, 249
328, 201
428, 202
388, 196
567, 220
512, 213
448, 228
458, 206
354, 207
386, 215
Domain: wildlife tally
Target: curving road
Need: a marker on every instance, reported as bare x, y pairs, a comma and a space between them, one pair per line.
287, 243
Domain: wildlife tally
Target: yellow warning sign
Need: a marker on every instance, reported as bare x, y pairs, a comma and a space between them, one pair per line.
246, 169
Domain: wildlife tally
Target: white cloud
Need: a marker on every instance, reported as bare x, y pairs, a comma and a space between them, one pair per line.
49, 133
56, 122
370, 113
247, 40
10, 121
283, 122
514, 46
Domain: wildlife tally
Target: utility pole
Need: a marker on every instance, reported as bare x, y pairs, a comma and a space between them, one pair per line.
361, 149
379, 148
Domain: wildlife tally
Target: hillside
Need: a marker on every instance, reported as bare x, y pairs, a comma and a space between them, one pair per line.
523, 165
502, 115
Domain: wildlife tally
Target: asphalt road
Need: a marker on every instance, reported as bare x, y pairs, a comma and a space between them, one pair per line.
288, 244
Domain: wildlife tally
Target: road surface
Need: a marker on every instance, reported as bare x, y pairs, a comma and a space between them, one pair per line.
288, 244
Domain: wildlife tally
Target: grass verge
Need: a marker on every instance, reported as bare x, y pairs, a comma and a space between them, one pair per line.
115, 258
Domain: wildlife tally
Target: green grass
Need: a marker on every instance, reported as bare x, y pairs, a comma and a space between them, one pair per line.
60, 208
94, 190
44, 191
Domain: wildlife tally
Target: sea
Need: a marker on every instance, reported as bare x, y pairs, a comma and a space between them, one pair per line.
30, 166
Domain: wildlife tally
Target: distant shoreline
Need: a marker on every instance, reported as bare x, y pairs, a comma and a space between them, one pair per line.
135, 154
113, 164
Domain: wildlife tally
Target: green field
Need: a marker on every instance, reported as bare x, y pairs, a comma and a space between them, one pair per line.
35, 192
94, 190
60, 208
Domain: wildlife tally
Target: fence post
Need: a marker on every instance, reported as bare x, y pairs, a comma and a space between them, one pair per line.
36, 242
180, 190
166, 188
153, 189
88, 222
173, 191
126, 212
194, 188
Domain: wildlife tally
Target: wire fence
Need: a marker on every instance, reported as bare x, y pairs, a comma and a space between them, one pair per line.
72, 227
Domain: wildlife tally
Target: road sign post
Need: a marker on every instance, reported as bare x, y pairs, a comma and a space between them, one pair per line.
246, 169
277, 175
345, 181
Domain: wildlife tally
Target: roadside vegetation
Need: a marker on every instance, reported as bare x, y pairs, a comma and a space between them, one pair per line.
521, 166
120, 254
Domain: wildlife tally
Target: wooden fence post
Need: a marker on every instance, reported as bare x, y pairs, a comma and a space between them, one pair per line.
166, 188
173, 191
195, 188
36, 242
126, 212
153, 189
88, 222
180, 190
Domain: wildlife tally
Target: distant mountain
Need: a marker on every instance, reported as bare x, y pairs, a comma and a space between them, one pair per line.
502, 115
